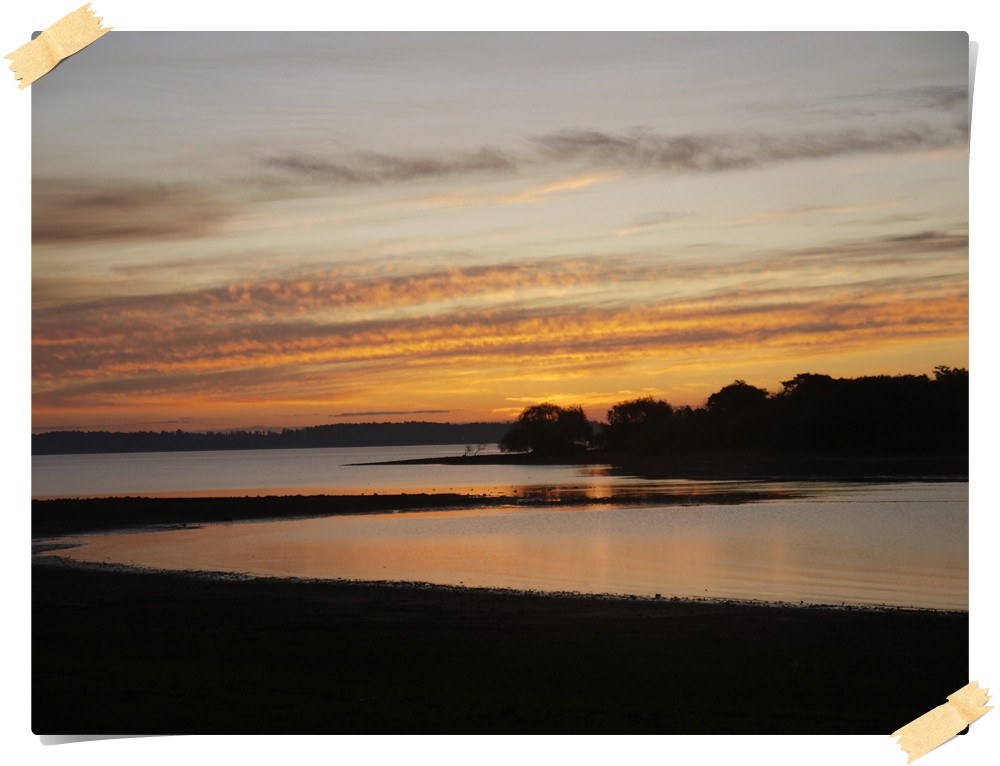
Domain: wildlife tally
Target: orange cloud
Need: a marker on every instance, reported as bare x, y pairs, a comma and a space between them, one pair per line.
229, 359
351, 335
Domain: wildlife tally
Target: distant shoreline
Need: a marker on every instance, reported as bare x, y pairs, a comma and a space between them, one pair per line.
734, 464
335, 435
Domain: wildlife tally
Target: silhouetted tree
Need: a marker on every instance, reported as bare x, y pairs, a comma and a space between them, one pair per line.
951, 411
640, 426
738, 415
547, 429
690, 429
874, 412
738, 397
809, 411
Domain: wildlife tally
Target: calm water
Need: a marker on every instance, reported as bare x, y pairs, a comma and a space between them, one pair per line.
288, 472
896, 544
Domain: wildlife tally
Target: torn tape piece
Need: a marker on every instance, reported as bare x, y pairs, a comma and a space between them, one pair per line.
69, 35
942, 723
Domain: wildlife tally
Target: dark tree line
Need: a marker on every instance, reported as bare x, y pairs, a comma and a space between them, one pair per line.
879, 413
871, 414
333, 435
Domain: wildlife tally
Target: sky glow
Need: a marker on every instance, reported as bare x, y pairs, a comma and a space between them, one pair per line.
287, 229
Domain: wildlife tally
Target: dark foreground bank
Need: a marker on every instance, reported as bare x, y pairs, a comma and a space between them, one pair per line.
130, 652
69, 516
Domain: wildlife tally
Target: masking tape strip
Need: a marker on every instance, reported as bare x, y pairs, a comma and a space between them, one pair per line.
69, 35
942, 723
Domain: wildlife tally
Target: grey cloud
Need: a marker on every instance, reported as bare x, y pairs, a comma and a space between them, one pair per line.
82, 210
375, 168
944, 98
654, 219
884, 101
935, 237
683, 153
642, 150
694, 153
188, 265
884, 220
78, 210
892, 249
921, 101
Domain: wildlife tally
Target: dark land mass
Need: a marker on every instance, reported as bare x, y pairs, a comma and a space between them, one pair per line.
760, 464
70, 516
876, 414
134, 652
332, 435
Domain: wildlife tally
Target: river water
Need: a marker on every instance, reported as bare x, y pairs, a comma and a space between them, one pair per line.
340, 470
902, 544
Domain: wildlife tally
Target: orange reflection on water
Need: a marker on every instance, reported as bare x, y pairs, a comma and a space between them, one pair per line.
779, 551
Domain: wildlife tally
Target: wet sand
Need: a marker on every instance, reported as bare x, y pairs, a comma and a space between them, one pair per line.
126, 651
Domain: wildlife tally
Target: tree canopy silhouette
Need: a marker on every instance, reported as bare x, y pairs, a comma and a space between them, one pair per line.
869, 414
639, 425
548, 429
738, 398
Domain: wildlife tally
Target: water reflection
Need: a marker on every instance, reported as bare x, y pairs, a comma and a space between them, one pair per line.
338, 471
901, 545
664, 491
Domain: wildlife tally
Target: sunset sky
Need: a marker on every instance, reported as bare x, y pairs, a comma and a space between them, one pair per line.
281, 229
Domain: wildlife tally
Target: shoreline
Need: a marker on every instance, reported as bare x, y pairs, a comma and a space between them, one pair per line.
761, 465
41, 556
59, 517
174, 653
144, 651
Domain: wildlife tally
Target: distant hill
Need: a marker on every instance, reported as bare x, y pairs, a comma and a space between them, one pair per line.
334, 435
